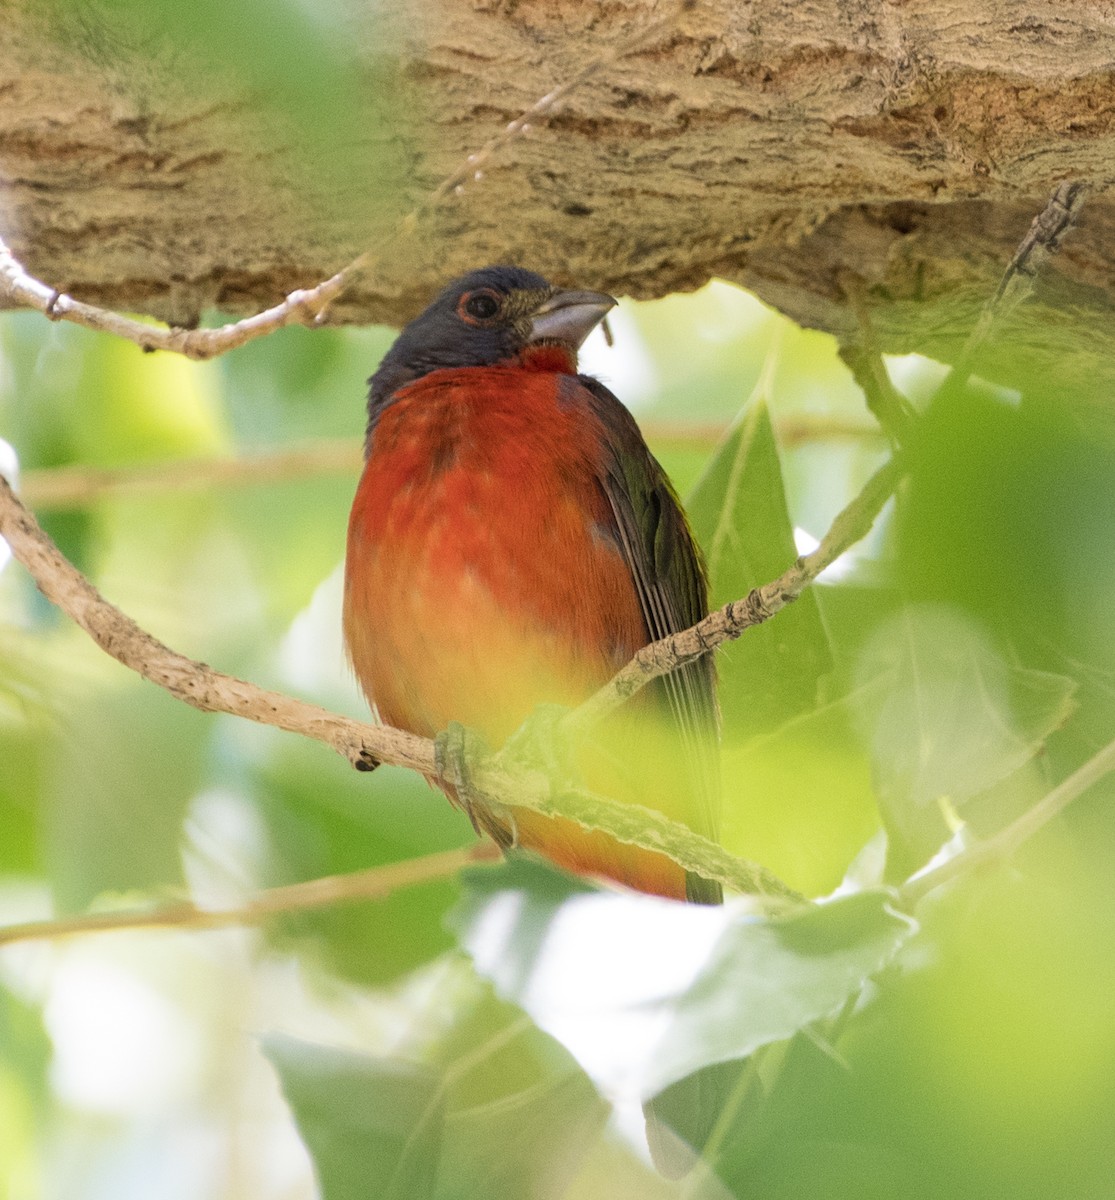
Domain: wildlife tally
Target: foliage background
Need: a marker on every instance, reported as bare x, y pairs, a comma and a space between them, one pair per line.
495, 1034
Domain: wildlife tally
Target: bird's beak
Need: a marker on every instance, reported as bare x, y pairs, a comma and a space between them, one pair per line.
569, 317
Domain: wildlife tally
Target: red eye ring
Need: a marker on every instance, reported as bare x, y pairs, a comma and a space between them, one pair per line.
479, 307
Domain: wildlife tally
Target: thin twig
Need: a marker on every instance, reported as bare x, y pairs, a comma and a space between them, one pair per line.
372, 884
77, 485
194, 683
1041, 241
760, 604
305, 306
864, 358
895, 414
1008, 840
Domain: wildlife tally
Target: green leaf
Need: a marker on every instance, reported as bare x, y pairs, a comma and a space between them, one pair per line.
323, 818
25, 1092
521, 1115
800, 799
739, 515
373, 1126
116, 790
948, 719
767, 979
497, 1108
644, 991
526, 1144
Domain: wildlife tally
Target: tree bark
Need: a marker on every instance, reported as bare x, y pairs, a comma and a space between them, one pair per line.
890, 153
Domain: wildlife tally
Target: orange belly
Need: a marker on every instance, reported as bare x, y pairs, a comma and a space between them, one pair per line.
481, 581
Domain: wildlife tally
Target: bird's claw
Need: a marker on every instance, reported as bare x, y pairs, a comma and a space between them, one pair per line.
455, 748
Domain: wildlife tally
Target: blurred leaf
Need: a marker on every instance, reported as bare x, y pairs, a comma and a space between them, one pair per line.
951, 720
292, 536
25, 1049
767, 979
373, 1126
27, 731
300, 384
526, 1145
117, 789
813, 381
980, 1066
646, 991
20, 850
297, 64
323, 818
1009, 518
496, 1109
800, 799
25, 1053
139, 407
738, 512
522, 1115
689, 356
682, 1119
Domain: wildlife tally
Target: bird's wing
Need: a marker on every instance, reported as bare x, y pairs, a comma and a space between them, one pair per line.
669, 575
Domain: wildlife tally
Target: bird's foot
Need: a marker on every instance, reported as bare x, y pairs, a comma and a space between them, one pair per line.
457, 750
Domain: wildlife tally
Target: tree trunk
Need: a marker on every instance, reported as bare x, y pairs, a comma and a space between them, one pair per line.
811, 151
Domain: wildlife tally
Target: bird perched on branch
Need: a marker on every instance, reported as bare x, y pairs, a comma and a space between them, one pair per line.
513, 543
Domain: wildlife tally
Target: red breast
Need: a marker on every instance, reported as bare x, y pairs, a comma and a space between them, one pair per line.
481, 579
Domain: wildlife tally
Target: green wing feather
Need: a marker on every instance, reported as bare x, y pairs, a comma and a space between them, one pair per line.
669, 575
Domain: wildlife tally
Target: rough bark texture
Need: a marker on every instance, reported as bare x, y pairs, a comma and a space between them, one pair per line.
807, 150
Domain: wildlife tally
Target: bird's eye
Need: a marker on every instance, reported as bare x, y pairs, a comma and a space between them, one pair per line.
476, 307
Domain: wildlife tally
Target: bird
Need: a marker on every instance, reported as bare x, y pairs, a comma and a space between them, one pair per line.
513, 543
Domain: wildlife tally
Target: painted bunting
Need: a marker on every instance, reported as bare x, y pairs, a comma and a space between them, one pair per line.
513, 543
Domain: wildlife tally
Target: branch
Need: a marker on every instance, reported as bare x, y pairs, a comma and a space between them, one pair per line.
373, 884
75, 486
307, 306
760, 604
192, 682
78, 485
1009, 839
894, 413
498, 782
863, 357
1041, 241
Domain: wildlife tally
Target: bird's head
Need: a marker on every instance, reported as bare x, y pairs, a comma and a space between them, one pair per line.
487, 317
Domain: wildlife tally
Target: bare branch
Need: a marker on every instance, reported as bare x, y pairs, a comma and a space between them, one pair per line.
306, 306
77, 485
895, 414
1042, 240
863, 357
373, 884
194, 683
